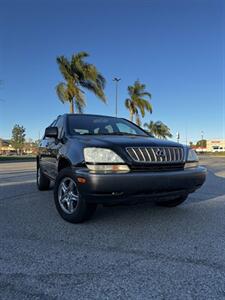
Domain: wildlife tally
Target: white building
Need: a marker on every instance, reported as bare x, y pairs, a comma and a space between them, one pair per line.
215, 145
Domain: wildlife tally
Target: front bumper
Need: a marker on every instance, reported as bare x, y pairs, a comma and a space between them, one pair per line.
119, 187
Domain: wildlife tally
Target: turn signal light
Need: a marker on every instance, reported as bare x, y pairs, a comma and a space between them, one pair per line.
81, 180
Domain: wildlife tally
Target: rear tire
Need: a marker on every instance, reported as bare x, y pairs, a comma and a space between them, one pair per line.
172, 203
70, 204
43, 182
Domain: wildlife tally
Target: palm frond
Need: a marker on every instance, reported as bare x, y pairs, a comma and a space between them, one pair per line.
145, 94
64, 67
79, 107
146, 104
159, 129
93, 87
62, 92
127, 103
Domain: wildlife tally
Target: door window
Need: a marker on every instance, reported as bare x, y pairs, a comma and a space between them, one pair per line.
59, 124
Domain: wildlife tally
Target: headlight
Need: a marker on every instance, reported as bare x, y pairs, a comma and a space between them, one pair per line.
192, 159
105, 160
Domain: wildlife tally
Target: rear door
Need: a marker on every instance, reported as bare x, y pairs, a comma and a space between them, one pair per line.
44, 157
54, 147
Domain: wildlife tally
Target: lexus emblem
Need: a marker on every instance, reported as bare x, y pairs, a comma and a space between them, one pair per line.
160, 153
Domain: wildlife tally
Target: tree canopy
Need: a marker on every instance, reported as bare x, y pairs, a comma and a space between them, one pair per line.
79, 75
138, 101
18, 137
201, 143
158, 129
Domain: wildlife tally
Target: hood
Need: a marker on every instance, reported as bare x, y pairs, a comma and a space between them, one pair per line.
123, 141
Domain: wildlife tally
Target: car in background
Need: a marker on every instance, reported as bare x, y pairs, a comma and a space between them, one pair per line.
218, 149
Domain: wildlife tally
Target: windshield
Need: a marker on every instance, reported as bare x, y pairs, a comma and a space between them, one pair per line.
99, 125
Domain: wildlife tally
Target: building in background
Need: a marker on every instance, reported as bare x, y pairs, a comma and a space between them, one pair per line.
29, 148
210, 146
199, 149
215, 145
6, 148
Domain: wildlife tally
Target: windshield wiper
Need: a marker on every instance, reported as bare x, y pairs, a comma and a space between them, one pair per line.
113, 133
121, 133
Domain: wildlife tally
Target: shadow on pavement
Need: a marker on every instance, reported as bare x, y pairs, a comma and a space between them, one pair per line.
213, 187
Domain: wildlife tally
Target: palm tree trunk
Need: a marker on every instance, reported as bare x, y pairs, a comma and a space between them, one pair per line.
71, 107
138, 121
131, 116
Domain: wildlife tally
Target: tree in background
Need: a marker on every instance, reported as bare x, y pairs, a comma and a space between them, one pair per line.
158, 129
137, 101
201, 143
31, 147
79, 74
18, 138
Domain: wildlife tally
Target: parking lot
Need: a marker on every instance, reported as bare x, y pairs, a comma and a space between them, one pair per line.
124, 252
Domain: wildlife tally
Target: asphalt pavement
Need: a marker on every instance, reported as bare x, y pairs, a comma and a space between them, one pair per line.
125, 252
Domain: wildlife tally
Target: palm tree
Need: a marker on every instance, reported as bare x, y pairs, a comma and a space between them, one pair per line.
79, 74
137, 101
159, 129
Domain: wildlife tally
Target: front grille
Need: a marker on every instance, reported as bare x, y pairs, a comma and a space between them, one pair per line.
156, 154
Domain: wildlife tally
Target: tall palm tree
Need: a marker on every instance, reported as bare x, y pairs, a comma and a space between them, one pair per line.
137, 101
159, 129
79, 75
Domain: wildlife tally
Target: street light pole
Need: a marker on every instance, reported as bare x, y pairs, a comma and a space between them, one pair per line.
202, 133
178, 137
116, 79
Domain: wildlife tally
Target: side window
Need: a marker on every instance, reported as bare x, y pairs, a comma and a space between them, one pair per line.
124, 128
53, 123
59, 124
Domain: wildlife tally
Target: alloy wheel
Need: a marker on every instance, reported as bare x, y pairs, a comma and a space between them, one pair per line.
68, 195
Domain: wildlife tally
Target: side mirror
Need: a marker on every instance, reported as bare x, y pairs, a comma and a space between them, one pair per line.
51, 132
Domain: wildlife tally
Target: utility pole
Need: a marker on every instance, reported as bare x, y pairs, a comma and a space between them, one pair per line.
178, 137
186, 137
202, 135
116, 79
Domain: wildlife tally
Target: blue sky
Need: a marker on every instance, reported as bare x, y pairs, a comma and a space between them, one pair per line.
175, 47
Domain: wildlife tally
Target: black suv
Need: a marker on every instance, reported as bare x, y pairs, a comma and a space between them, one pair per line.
96, 159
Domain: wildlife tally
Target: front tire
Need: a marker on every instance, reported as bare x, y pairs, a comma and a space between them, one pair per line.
172, 203
43, 182
70, 204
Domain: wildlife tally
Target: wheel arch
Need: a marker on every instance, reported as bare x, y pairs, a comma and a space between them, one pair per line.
64, 163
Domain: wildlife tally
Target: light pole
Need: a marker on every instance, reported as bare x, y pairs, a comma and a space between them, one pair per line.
178, 136
202, 135
116, 79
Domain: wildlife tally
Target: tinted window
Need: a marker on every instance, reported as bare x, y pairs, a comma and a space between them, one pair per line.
125, 128
99, 125
59, 125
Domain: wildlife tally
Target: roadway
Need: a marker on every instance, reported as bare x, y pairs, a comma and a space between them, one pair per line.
125, 252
